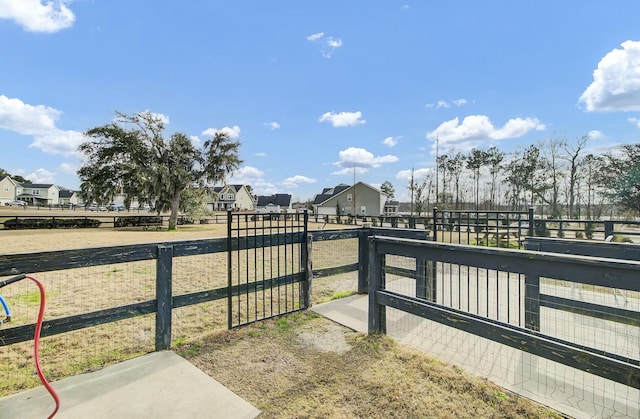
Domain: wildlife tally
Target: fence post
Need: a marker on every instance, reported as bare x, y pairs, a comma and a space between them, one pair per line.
530, 234
377, 312
307, 254
435, 224
532, 302
363, 260
164, 266
608, 229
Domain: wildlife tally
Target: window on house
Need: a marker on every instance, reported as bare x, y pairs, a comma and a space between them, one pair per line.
349, 197
6, 188
35, 192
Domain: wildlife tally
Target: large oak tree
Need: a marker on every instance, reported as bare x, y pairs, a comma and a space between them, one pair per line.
131, 156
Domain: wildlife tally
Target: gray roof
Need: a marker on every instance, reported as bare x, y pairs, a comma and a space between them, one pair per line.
327, 193
280, 199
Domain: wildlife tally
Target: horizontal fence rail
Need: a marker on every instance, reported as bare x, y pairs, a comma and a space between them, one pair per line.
535, 337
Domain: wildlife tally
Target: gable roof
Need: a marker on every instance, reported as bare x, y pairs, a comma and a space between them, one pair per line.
328, 193
280, 199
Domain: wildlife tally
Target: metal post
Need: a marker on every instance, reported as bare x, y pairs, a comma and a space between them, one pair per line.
608, 229
307, 254
532, 302
164, 265
435, 224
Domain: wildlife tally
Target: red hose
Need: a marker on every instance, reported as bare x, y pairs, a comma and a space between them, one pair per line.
36, 340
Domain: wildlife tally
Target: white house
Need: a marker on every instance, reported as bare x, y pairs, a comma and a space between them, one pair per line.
231, 197
358, 199
38, 193
8, 189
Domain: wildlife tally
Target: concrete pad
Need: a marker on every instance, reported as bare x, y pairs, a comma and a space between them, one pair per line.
351, 312
157, 385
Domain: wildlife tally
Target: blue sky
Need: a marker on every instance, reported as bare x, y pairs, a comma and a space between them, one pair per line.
317, 90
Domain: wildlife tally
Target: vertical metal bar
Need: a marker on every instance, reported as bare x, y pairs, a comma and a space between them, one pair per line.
377, 312
308, 282
532, 301
229, 272
164, 266
435, 224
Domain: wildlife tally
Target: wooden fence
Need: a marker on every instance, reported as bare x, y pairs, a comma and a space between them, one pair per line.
531, 267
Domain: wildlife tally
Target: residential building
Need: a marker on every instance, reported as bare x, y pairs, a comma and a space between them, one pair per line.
8, 189
358, 199
391, 208
44, 194
68, 197
274, 203
231, 197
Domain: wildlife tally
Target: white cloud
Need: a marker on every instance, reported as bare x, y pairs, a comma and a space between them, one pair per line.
261, 154
314, 37
293, 182
272, 125
68, 168
361, 160
158, 116
41, 176
635, 121
254, 177
390, 141
616, 81
34, 16
595, 135
418, 174
329, 43
477, 128
444, 104
343, 119
39, 122
232, 132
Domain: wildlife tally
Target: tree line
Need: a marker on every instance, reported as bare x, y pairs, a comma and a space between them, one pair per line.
557, 177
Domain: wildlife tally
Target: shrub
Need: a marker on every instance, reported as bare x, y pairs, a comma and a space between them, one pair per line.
40, 223
579, 235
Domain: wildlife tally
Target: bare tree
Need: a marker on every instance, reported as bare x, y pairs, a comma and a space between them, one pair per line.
572, 156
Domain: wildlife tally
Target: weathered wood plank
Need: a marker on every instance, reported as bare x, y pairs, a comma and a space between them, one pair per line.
598, 311
52, 327
613, 273
562, 352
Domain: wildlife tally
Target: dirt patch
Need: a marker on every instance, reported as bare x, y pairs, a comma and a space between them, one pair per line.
305, 366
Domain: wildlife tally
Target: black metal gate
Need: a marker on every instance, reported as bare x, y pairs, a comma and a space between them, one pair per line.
268, 266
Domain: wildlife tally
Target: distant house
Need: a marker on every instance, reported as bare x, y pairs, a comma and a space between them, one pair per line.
231, 197
68, 197
274, 203
39, 193
43, 194
358, 199
391, 207
8, 189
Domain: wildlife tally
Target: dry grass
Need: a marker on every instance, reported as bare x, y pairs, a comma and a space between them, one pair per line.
300, 365
304, 366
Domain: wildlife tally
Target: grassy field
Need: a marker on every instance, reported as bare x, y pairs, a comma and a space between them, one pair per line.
299, 365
